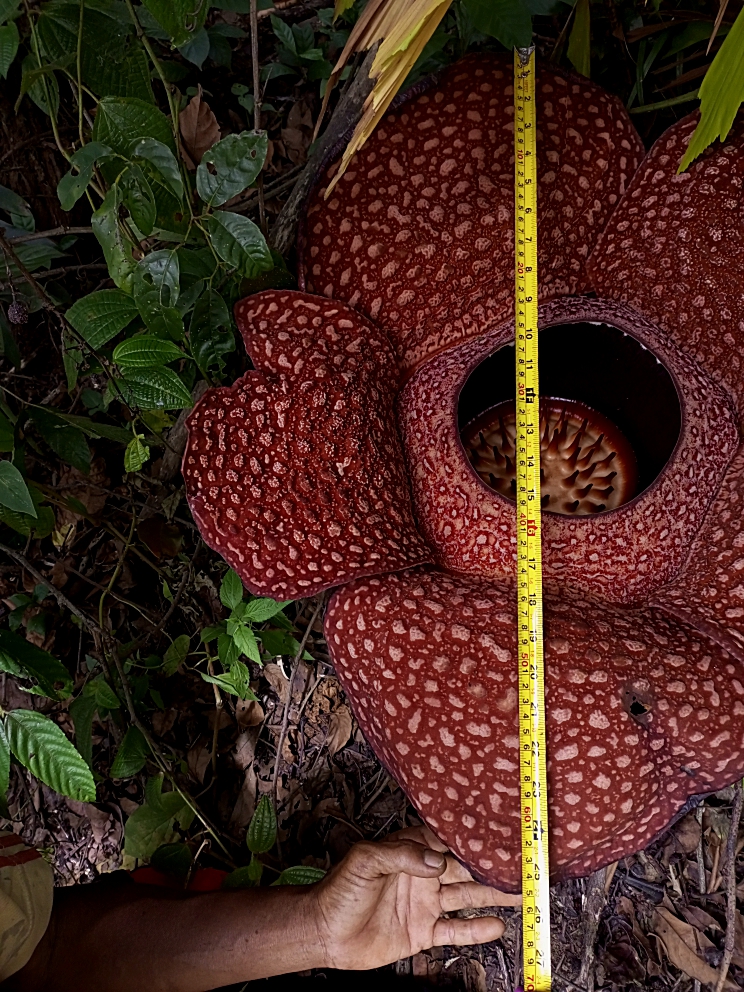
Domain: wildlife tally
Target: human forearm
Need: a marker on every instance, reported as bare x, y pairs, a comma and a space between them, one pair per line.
132, 937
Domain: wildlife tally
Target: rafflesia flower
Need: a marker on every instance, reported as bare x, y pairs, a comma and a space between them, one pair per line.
371, 451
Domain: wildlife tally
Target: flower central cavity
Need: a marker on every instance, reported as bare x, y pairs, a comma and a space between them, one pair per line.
587, 465
609, 418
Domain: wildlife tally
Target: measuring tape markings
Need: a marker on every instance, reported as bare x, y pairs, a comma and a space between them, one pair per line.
532, 737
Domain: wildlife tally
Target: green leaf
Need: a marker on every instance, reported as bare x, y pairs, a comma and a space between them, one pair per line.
176, 653
247, 877
300, 875
508, 21
82, 711
155, 389
259, 610
136, 454
95, 430
261, 835
72, 185
9, 9
4, 771
132, 754
9, 41
245, 641
20, 656
39, 744
279, 642
579, 44
163, 161
152, 824
66, 441
178, 18
239, 242
102, 694
122, 122
721, 94
145, 352
231, 590
138, 198
237, 681
13, 490
235, 161
284, 33
161, 270
98, 317
196, 49
41, 85
173, 859
18, 210
210, 332
117, 251
38, 526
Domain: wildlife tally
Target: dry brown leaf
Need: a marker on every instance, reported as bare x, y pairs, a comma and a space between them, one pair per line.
339, 729
249, 713
686, 834
700, 919
669, 929
275, 677
86, 489
199, 130
626, 908
198, 759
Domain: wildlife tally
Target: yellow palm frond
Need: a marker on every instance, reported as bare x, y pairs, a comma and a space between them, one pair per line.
402, 28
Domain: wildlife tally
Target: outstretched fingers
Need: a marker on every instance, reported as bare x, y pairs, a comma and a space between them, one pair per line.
479, 930
472, 895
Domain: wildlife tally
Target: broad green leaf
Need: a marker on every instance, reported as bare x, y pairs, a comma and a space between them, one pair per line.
98, 317
117, 251
300, 875
4, 771
231, 590
9, 9
38, 526
178, 18
210, 332
176, 653
508, 21
39, 744
579, 44
237, 681
279, 642
9, 41
145, 352
239, 242
41, 85
152, 824
74, 183
103, 695
163, 161
173, 859
284, 33
161, 270
164, 321
721, 94
138, 198
95, 430
245, 641
20, 656
136, 454
247, 877
13, 490
155, 389
122, 122
82, 711
235, 162
196, 49
17, 209
261, 835
132, 754
259, 610
66, 441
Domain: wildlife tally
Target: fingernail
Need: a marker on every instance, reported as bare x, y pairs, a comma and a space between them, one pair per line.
434, 859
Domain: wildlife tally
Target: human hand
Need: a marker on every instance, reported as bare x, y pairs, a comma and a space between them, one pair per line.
385, 901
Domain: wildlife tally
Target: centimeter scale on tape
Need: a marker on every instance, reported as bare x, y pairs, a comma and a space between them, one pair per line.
532, 736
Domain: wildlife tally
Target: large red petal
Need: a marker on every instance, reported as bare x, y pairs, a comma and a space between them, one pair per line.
295, 473
419, 232
643, 712
674, 248
622, 555
709, 591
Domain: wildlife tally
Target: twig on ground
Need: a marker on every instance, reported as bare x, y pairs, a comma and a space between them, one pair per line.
53, 233
594, 902
730, 873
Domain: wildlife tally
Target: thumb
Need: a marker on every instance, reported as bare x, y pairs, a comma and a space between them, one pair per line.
370, 861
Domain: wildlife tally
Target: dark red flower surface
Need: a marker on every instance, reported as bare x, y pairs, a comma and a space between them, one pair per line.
340, 461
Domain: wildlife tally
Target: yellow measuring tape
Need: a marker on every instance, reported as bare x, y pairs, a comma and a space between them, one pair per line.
532, 737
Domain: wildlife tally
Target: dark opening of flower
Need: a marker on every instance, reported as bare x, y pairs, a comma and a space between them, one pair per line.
339, 462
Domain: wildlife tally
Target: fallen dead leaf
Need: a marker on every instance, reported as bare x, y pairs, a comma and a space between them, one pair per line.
198, 759
622, 965
683, 838
163, 539
199, 130
275, 677
339, 729
249, 713
700, 919
86, 490
670, 929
